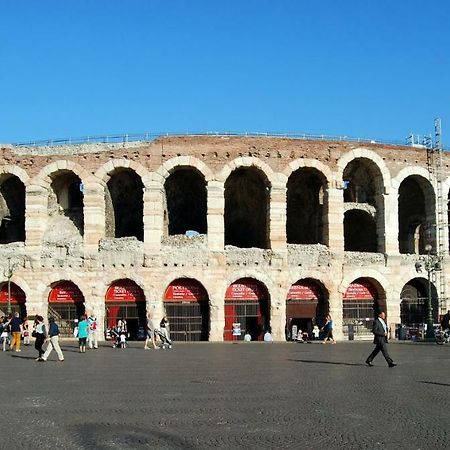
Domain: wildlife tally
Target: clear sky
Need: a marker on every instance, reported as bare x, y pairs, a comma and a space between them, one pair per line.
366, 68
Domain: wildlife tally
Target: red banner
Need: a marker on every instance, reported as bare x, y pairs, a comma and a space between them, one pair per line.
361, 290
65, 292
185, 291
17, 295
304, 290
246, 289
124, 291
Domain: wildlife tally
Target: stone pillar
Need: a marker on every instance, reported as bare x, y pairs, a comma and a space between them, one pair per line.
217, 317
278, 216
216, 216
391, 224
335, 219
278, 316
94, 216
335, 302
36, 214
153, 219
393, 313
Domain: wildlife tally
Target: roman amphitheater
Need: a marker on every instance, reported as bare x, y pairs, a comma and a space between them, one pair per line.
215, 231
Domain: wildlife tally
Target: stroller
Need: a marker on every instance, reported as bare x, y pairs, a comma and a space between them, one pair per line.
165, 342
115, 334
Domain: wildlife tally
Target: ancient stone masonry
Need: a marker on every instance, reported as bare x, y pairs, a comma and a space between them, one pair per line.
267, 233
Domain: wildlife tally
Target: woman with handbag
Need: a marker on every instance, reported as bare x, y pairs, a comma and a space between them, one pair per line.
40, 333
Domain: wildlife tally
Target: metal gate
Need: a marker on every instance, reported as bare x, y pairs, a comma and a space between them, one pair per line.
249, 314
64, 315
188, 321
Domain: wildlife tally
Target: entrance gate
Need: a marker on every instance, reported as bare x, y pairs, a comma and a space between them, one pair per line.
65, 304
125, 300
17, 300
361, 306
247, 304
187, 310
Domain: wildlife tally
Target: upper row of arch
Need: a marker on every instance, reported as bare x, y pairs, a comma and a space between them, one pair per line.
159, 176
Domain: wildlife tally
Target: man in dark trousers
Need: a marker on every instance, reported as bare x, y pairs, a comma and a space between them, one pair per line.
380, 339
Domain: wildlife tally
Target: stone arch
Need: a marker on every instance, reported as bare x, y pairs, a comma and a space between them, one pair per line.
370, 155
248, 161
306, 163
307, 206
247, 208
103, 173
380, 280
47, 280
173, 164
44, 177
9, 169
416, 211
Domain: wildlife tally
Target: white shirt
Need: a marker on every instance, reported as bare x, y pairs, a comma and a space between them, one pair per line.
383, 323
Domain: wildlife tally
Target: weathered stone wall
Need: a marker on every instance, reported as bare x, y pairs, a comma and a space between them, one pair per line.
93, 261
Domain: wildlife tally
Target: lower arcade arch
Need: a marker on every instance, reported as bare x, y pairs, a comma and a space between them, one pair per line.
65, 306
414, 302
247, 310
125, 302
186, 304
363, 300
17, 300
306, 305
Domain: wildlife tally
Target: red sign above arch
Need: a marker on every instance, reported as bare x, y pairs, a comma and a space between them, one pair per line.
246, 289
185, 290
305, 290
361, 290
17, 295
65, 292
124, 291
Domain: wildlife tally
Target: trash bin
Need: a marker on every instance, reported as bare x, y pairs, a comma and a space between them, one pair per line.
351, 332
402, 333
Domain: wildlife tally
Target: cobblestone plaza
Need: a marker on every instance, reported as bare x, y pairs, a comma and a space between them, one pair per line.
220, 395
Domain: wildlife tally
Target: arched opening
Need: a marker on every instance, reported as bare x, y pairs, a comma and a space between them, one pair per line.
363, 187
125, 300
17, 300
186, 202
65, 203
247, 193
12, 209
414, 305
363, 300
65, 305
124, 205
360, 231
306, 306
187, 309
416, 215
306, 197
246, 304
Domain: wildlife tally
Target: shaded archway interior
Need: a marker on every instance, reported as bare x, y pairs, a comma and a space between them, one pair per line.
124, 205
414, 302
247, 194
12, 209
360, 231
17, 300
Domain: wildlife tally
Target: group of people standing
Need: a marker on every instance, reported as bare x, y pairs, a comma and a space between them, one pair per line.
12, 329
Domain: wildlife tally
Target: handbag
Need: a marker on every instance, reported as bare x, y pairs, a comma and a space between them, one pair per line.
34, 334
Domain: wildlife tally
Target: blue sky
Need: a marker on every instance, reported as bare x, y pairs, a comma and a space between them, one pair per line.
375, 69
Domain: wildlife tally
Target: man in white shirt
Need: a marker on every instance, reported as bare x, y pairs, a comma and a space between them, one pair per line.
380, 340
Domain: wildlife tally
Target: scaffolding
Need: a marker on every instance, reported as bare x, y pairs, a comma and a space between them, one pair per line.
435, 169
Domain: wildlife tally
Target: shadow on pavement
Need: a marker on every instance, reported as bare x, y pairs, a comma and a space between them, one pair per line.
311, 361
435, 382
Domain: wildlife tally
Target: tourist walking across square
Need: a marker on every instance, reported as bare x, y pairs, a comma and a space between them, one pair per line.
40, 333
16, 332
150, 333
53, 341
83, 331
380, 340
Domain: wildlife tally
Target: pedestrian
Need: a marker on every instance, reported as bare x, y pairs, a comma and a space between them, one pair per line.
445, 322
123, 340
4, 333
83, 331
40, 333
92, 332
16, 332
380, 340
53, 341
150, 333
328, 329
164, 326
26, 332
316, 332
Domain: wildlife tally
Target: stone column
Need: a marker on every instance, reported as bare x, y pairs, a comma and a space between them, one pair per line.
217, 317
391, 246
153, 219
335, 219
278, 215
36, 214
335, 302
94, 216
216, 214
278, 316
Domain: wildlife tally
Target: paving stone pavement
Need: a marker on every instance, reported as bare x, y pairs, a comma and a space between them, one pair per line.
264, 396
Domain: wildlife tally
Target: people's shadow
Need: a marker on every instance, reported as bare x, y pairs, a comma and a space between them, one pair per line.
435, 382
23, 357
312, 361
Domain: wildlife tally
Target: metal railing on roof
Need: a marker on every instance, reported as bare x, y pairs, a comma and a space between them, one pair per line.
148, 137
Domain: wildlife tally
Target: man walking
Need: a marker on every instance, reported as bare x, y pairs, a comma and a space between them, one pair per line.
53, 337
16, 332
380, 339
